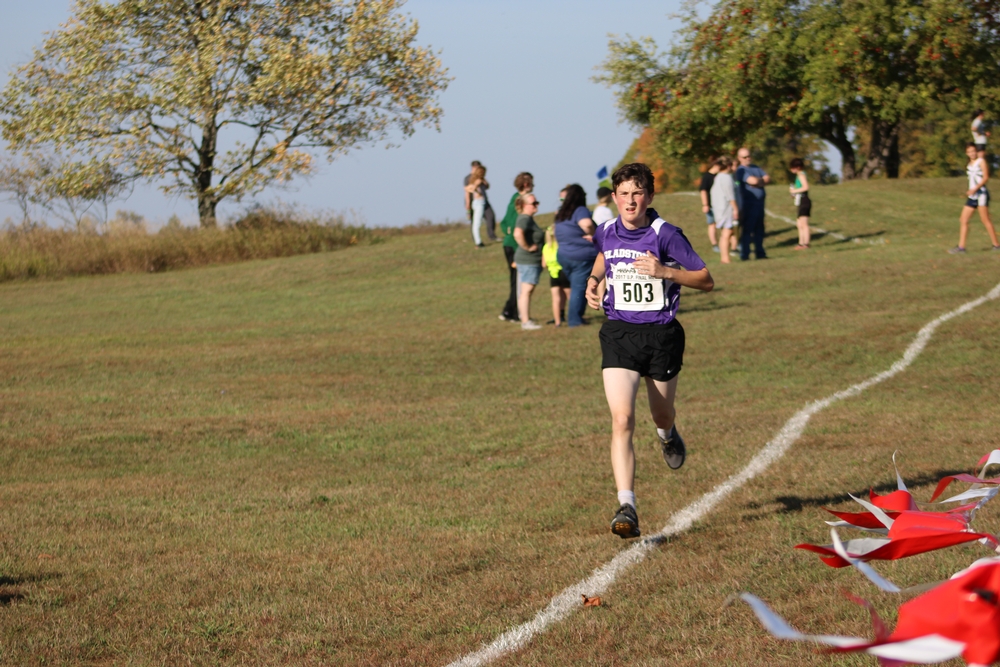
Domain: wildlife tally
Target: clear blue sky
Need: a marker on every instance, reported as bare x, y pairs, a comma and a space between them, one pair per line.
521, 100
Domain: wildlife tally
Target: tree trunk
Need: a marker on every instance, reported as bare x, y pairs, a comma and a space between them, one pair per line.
206, 209
207, 200
834, 131
883, 135
892, 163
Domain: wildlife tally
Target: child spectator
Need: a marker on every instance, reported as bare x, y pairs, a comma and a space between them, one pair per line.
558, 282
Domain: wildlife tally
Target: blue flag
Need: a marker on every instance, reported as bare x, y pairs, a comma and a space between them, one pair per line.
603, 173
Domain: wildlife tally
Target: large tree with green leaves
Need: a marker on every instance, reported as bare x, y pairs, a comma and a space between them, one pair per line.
824, 67
220, 98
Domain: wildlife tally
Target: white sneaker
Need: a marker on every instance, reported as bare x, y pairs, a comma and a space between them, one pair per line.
530, 325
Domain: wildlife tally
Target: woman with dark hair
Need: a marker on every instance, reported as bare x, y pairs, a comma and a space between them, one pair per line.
574, 233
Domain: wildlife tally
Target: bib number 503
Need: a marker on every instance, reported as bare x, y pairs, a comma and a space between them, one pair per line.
638, 293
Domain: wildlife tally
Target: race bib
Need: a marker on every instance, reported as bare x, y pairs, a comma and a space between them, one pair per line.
634, 291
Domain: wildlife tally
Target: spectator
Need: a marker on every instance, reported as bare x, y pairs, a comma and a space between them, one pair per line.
750, 196
574, 232
725, 210
603, 212
705, 189
803, 205
475, 199
528, 255
979, 133
558, 282
524, 183
978, 197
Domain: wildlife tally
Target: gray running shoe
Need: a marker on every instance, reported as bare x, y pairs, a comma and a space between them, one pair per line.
626, 522
996, 248
957, 250
530, 325
673, 449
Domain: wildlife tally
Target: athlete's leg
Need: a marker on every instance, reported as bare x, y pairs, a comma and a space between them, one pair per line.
724, 245
984, 215
621, 386
661, 401
803, 224
963, 227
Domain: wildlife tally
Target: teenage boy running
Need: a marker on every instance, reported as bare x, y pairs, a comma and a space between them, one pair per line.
642, 262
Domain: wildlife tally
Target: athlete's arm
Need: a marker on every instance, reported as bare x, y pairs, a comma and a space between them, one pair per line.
650, 266
596, 288
986, 173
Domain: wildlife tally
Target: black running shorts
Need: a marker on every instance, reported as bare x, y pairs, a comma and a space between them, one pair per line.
805, 206
561, 281
652, 350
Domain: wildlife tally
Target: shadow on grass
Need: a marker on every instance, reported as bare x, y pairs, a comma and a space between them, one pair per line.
14, 580
778, 232
8, 598
791, 504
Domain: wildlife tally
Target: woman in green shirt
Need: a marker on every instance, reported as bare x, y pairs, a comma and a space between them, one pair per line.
524, 184
800, 192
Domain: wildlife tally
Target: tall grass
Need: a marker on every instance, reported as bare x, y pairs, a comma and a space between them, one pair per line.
124, 245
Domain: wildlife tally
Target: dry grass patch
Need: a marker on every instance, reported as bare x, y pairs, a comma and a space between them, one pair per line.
345, 458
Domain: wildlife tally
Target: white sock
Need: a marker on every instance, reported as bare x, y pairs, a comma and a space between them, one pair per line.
626, 498
663, 433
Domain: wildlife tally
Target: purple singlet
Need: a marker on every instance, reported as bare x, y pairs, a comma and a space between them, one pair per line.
632, 297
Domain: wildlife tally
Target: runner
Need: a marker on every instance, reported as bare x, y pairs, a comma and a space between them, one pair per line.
800, 193
642, 262
978, 198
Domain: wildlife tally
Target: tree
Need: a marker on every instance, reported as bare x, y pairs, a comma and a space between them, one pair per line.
66, 189
220, 98
824, 67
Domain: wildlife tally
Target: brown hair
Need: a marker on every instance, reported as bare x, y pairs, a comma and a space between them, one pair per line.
724, 162
637, 172
797, 163
478, 173
523, 180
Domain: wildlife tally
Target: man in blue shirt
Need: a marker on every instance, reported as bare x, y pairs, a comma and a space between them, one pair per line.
750, 181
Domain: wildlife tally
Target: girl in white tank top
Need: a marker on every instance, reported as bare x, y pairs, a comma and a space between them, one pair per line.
978, 197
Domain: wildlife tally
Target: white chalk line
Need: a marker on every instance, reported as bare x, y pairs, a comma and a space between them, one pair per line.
816, 230
601, 579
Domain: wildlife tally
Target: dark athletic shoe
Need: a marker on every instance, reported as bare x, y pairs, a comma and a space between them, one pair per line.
957, 250
673, 449
626, 522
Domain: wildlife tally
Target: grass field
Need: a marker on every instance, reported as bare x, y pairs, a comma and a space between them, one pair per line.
346, 459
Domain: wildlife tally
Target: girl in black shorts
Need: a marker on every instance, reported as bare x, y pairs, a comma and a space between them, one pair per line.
800, 192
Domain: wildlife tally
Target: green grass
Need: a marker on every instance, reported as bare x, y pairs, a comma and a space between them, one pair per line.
344, 458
